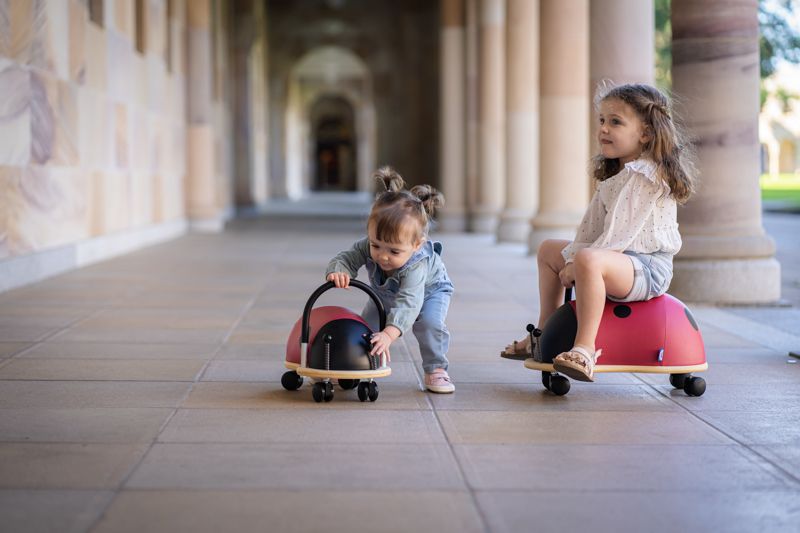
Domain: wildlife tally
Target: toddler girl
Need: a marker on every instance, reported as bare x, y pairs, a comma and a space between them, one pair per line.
624, 245
406, 271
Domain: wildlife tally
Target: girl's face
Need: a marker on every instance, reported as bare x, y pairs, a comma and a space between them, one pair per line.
621, 133
390, 255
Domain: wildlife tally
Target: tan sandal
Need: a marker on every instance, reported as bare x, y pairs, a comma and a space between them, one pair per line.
577, 363
516, 351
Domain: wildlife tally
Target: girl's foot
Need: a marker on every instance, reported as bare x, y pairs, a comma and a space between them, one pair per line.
518, 350
439, 381
577, 363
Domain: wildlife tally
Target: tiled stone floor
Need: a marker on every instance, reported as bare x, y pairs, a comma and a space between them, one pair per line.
143, 394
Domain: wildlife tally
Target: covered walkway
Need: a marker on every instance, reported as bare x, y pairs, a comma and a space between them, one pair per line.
143, 394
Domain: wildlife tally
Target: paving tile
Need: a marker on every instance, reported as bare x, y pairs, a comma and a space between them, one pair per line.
45, 511
321, 511
99, 369
652, 511
82, 394
756, 427
258, 352
616, 467
272, 370
25, 333
149, 335
129, 425
601, 427
319, 423
41, 316
66, 466
761, 355
239, 395
754, 374
786, 457
308, 467
534, 397
507, 371
774, 398
113, 350
8, 349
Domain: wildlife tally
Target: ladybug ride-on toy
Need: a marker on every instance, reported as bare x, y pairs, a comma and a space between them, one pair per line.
332, 342
659, 336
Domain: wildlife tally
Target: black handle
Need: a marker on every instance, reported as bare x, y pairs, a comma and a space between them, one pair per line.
330, 285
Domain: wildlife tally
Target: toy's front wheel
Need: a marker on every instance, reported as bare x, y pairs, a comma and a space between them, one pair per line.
559, 385
546, 380
678, 380
694, 386
291, 380
347, 384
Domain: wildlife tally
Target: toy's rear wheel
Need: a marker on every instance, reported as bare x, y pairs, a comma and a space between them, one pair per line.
559, 385
328, 391
678, 380
372, 393
347, 384
291, 380
318, 392
362, 391
694, 386
546, 380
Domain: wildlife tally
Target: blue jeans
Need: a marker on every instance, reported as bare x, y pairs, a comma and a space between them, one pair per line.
429, 328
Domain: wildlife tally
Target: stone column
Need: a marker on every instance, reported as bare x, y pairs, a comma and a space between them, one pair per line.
491, 186
453, 119
202, 207
726, 256
622, 56
522, 121
472, 109
564, 112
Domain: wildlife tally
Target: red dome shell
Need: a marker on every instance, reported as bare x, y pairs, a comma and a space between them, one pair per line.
633, 333
319, 317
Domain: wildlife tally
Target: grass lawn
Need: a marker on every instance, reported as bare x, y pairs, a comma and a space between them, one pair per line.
785, 188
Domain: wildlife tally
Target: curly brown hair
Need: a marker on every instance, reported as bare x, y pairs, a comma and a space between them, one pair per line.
668, 146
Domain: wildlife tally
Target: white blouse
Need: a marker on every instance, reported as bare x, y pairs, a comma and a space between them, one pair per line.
630, 211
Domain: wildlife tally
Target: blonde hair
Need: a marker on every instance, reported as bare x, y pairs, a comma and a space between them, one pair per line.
668, 146
397, 211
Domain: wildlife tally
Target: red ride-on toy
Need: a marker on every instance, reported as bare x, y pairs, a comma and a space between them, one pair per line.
659, 336
332, 342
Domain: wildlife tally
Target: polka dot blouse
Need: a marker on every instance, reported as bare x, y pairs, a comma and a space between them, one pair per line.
629, 211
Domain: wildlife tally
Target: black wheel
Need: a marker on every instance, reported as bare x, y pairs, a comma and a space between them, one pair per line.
677, 380
362, 391
559, 385
317, 392
291, 380
546, 380
347, 384
373, 391
694, 386
328, 391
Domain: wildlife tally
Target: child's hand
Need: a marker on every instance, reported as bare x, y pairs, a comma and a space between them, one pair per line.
380, 344
340, 279
567, 275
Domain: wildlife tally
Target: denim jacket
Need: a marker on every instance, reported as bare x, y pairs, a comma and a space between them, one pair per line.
404, 292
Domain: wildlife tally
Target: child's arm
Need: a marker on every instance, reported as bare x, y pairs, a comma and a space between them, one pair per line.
407, 305
346, 263
590, 229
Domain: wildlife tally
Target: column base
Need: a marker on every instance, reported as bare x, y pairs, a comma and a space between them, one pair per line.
539, 235
452, 222
727, 281
483, 223
514, 227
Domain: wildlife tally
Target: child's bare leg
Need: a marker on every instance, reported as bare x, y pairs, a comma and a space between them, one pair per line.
551, 292
597, 274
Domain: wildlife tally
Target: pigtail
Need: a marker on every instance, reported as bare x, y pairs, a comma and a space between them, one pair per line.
431, 198
391, 180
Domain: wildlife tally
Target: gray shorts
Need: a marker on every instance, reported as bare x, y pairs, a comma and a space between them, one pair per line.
651, 276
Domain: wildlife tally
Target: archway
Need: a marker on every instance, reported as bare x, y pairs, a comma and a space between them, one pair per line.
787, 164
333, 144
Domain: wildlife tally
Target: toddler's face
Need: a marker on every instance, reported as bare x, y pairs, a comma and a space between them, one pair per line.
621, 133
390, 255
